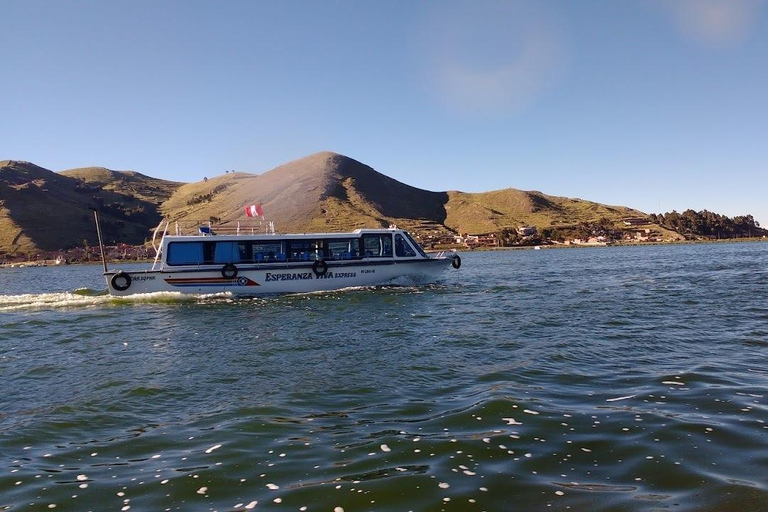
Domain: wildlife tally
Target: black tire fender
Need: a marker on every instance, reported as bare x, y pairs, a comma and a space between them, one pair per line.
116, 281
456, 263
320, 267
229, 271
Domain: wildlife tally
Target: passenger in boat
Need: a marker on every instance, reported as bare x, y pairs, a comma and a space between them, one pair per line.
402, 249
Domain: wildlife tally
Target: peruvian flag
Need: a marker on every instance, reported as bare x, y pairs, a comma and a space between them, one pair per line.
254, 210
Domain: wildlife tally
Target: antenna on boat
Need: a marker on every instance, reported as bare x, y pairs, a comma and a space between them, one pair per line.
98, 233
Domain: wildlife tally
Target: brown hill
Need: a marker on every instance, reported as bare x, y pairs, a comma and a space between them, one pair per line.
322, 192
493, 211
43, 210
331, 192
129, 183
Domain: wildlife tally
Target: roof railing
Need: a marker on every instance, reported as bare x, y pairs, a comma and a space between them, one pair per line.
206, 228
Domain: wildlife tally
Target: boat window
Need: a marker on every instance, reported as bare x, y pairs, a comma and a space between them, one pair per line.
402, 248
267, 251
226, 252
243, 251
305, 250
346, 249
415, 244
377, 246
185, 253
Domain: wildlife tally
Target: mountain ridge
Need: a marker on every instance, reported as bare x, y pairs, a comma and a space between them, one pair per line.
325, 191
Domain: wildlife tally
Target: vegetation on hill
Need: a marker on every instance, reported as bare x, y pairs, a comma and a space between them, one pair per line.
41, 210
127, 183
706, 224
510, 208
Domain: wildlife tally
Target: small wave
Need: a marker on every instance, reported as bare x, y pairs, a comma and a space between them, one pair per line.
170, 298
90, 292
388, 472
49, 300
391, 287
85, 297
597, 487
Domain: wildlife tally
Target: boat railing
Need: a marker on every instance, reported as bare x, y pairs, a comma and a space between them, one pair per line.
236, 228
443, 254
208, 228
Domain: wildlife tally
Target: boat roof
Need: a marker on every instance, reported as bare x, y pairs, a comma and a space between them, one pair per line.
239, 234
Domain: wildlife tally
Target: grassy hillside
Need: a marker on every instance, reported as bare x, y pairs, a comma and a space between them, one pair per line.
511, 208
197, 203
330, 192
43, 210
127, 183
322, 192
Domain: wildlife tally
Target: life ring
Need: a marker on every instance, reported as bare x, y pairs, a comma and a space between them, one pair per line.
456, 263
319, 267
120, 281
229, 271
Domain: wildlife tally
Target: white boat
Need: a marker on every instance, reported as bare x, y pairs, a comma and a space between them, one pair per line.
251, 264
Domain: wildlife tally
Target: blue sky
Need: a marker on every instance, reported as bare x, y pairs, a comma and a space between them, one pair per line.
656, 104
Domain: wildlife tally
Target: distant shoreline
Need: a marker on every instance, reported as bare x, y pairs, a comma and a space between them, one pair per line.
51, 263
616, 244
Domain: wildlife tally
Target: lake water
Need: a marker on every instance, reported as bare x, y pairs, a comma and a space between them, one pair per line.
627, 378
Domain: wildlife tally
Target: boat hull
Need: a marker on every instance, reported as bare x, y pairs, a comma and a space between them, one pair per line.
258, 279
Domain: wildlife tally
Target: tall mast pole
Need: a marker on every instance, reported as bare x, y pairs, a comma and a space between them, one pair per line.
101, 242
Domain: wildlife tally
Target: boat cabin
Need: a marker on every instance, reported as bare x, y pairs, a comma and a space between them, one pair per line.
207, 249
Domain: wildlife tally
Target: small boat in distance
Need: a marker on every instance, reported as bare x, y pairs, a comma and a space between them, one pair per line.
243, 260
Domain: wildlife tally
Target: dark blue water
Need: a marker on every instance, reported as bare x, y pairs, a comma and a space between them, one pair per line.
628, 378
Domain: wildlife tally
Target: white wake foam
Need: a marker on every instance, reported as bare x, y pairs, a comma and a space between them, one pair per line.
87, 298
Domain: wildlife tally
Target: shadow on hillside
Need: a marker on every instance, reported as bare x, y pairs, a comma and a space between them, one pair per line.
390, 197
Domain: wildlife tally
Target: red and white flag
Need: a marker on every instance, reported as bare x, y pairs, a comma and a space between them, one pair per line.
254, 210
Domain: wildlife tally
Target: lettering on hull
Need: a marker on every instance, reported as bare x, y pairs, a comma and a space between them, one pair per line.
301, 276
